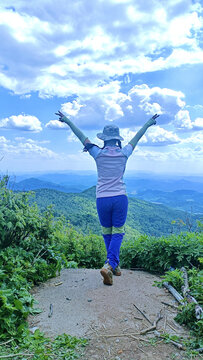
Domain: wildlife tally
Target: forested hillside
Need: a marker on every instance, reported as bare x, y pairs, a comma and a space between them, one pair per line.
35, 246
143, 216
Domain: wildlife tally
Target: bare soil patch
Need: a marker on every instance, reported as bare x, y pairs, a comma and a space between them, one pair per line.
84, 307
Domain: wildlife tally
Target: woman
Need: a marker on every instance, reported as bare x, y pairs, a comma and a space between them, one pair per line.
112, 201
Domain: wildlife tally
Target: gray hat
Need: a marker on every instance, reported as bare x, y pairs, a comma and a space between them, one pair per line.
110, 132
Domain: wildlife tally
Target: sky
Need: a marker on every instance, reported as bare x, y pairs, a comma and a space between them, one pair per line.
101, 62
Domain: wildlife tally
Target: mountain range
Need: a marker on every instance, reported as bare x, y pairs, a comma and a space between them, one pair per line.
180, 194
143, 217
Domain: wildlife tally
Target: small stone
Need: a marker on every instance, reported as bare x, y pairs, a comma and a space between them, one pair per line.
33, 329
68, 299
125, 319
89, 300
117, 340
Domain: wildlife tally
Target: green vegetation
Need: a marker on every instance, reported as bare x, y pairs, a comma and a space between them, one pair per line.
186, 314
34, 246
143, 217
28, 256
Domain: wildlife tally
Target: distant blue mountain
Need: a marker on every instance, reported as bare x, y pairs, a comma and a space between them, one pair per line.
180, 193
34, 184
187, 200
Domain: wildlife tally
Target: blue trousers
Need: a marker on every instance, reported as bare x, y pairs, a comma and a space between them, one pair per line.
112, 213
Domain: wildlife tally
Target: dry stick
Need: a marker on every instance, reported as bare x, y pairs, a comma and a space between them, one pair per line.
143, 314
153, 327
174, 292
139, 338
119, 335
178, 345
185, 290
200, 350
173, 306
137, 318
165, 322
50, 310
171, 326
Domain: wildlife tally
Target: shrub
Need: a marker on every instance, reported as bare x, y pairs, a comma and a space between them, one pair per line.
159, 254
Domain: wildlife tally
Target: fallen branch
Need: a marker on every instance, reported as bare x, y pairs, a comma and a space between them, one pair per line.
171, 305
185, 287
175, 343
185, 290
118, 335
142, 314
200, 350
174, 292
154, 326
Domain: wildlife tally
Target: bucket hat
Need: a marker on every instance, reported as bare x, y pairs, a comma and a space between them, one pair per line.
110, 132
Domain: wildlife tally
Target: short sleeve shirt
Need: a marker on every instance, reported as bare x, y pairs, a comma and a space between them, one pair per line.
111, 163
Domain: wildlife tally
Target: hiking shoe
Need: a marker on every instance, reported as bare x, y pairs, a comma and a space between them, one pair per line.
117, 271
107, 273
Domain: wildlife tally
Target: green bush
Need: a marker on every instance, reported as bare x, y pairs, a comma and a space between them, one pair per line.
20, 222
159, 254
86, 250
186, 314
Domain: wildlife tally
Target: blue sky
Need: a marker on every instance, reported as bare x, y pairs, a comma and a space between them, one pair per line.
99, 62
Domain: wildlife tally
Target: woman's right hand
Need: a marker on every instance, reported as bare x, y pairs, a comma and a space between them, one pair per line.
152, 121
61, 115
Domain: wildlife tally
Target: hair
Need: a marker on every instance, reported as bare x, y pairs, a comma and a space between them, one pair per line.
118, 142
88, 146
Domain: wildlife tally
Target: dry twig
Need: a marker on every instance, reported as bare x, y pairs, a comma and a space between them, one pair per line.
50, 311
141, 312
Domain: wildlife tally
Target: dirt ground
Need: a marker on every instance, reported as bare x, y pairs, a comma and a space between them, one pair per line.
84, 307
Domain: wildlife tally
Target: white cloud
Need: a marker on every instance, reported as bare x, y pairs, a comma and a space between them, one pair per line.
154, 136
56, 125
3, 140
21, 122
72, 138
28, 148
71, 108
198, 124
183, 121
108, 103
158, 136
63, 50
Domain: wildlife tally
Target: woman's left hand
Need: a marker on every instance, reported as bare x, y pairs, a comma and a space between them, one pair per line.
61, 115
152, 121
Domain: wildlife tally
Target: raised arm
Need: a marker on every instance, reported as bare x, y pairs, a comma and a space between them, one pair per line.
141, 132
84, 139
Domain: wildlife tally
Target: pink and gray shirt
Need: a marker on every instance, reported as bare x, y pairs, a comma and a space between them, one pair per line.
111, 162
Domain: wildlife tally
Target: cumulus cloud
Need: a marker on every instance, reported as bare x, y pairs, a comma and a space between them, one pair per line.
158, 136
183, 121
56, 125
3, 140
155, 136
109, 103
64, 50
28, 148
21, 122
